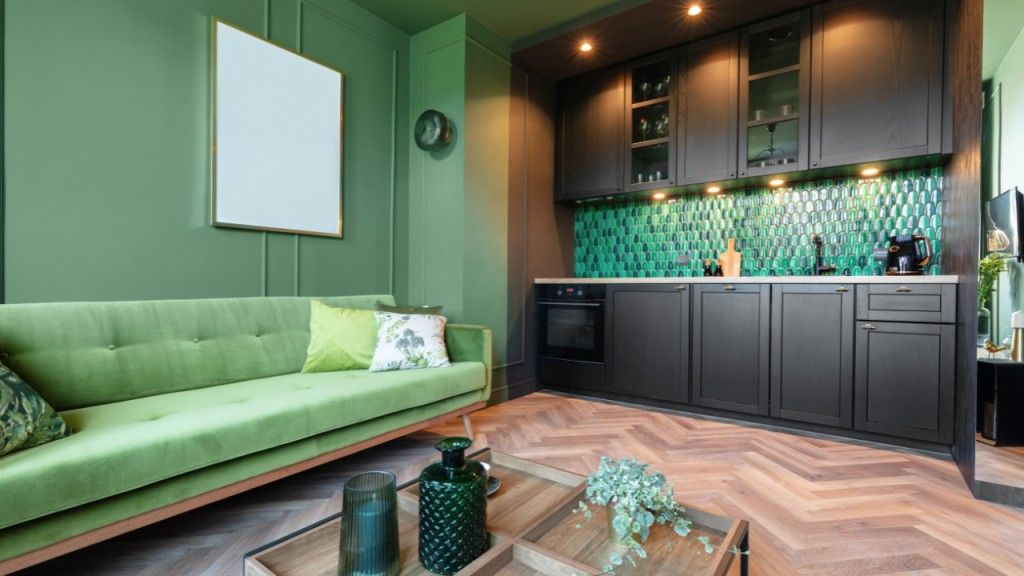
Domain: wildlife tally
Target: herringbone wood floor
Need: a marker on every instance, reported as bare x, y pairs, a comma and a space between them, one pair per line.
817, 507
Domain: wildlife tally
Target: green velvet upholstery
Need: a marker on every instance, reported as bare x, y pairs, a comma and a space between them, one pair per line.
161, 418
62, 525
82, 354
126, 445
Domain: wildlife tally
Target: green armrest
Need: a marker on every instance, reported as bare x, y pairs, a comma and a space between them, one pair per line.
470, 343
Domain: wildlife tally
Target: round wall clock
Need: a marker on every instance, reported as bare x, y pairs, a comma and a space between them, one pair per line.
433, 131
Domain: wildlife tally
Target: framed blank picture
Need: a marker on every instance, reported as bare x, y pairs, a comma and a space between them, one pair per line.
277, 132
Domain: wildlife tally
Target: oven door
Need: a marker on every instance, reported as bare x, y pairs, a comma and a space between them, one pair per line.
571, 330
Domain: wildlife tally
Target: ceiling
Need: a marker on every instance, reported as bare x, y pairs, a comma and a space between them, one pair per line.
1004, 20
518, 22
645, 28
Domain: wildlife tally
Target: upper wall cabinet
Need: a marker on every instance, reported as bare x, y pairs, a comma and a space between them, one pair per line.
877, 80
708, 97
651, 122
775, 67
592, 135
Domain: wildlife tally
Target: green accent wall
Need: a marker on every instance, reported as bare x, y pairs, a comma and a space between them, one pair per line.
107, 153
458, 198
772, 228
1002, 147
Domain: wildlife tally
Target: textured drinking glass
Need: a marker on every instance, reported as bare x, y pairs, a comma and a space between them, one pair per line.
369, 532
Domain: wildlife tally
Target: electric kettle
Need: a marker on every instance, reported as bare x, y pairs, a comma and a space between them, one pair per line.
904, 256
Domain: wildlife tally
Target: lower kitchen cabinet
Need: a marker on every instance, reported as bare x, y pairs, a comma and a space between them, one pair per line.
731, 347
905, 380
812, 353
648, 333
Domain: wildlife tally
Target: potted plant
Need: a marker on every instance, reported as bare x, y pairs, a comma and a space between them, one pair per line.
989, 268
636, 500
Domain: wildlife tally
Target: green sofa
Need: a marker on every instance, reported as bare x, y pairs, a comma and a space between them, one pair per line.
177, 403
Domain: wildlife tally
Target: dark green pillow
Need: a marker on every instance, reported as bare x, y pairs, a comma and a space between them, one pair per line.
432, 310
26, 419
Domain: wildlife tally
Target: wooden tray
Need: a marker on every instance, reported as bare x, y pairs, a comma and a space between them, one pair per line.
533, 532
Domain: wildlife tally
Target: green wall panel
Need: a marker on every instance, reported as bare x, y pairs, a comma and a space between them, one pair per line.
107, 165
772, 228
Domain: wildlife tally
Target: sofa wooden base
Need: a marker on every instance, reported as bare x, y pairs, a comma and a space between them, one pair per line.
154, 516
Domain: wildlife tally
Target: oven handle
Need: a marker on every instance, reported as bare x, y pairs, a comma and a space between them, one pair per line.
579, 304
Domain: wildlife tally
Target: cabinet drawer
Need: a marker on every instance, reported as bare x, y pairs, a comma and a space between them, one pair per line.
907, 303
584, 376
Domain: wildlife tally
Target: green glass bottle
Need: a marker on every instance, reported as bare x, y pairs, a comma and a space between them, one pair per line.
453, 509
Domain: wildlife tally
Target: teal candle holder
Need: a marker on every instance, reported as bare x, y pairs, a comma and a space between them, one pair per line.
369, 531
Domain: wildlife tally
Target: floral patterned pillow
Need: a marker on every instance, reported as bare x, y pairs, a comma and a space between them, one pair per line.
26, 419
409, 341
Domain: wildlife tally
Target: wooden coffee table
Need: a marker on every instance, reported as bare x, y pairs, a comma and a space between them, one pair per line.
533, 532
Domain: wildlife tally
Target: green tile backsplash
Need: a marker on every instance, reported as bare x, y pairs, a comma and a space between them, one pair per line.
772, 228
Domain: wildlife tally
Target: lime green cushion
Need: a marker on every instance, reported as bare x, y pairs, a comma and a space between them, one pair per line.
36, 534
81, 354
339, 338
26, 420
123, 446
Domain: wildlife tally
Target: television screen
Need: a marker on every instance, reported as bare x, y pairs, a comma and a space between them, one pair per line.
1005, 225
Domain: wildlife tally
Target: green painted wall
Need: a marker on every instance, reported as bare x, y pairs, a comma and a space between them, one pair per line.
107, 165
1002, 147
459, 198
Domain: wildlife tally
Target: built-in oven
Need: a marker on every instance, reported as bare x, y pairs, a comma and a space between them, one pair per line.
570, 335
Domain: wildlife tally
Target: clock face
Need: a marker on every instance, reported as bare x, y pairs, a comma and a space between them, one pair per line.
432, 131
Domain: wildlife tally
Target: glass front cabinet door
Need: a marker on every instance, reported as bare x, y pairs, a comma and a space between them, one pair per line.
651, 122
775, 95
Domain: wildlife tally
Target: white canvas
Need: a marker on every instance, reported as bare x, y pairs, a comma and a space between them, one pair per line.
278, 134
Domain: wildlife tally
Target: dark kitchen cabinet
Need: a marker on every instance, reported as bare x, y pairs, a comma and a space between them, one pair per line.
651, 122
731, 347
904, 380
649, 346
812, 353
877, 80
649, 334
591, 135
774, 98
708, 100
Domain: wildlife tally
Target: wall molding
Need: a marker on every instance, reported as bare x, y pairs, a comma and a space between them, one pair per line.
300, 7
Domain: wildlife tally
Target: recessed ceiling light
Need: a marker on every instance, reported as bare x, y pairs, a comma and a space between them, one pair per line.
659, 196
714, 189
586, 46
776, 182
694, 9
870, 172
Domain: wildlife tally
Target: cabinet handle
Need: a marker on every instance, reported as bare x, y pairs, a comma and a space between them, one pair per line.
869, 326
729, 288
903, 290
680, 288
842, 289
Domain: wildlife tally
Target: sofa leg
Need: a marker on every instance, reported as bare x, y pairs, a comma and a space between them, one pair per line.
467, 423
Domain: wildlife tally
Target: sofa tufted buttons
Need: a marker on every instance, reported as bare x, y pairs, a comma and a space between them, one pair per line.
111, 346
258, 334
195, 340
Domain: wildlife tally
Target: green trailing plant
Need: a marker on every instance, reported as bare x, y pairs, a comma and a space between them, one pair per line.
989, 269
640, 501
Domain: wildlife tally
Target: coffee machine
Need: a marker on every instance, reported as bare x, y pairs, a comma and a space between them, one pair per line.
904, 256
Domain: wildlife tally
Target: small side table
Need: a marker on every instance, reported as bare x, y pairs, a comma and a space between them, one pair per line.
1000, 401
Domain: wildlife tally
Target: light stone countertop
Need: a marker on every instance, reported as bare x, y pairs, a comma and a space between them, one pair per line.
760, 280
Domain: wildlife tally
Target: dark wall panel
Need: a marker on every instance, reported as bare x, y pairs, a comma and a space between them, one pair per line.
962, 213
540, 232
